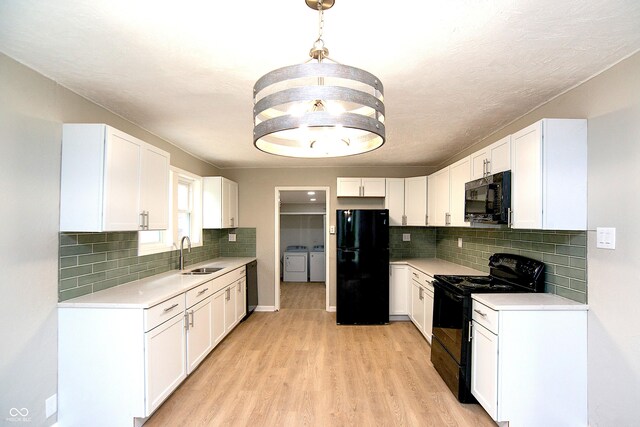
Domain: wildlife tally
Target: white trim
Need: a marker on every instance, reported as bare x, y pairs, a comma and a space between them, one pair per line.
327, 242
331, 309
265, 308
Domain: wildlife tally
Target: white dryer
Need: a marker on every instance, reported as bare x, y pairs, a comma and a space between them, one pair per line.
295, 264
316, 264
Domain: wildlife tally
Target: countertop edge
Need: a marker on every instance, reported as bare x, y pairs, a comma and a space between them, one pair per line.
421, 264
527, 302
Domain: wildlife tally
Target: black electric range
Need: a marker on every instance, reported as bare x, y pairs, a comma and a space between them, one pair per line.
451, 343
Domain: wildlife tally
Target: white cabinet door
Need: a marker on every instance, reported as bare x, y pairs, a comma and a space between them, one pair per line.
398, 290
373, 187
415, 201
526, 185
219, 203
122, 182
428, 314
484, 368
394, 200
499, 156
241, 298
165, 364
459, 175
154, 191
478, 162
199, 332
217, 320
417, 304
438, 198
230, 318
349, 187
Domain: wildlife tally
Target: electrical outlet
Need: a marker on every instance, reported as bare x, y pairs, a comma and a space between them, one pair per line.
459, 242
232, 237
406, 237
51, 405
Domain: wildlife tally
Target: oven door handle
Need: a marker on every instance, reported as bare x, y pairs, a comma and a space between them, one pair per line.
451, 295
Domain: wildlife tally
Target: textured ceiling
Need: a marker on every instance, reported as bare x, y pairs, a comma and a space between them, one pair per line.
454, 71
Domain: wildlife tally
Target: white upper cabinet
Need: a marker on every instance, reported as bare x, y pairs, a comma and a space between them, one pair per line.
415, 201
361, 187
492, 159
438, 198
459, 175
219, 203
111, 181
549, 175
394, 201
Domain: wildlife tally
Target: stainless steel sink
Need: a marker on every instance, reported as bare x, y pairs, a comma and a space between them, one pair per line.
203, 270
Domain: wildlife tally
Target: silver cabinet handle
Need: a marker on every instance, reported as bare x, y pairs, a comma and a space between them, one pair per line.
470, 326
484, 167
228, 294
170, 308
421, 294
146, 220
414, 274
231, 221
480, 313
404, 220
509, 217
447, 218
141, 224
203, 291
488, 167
239, 287
192, 318
426, 220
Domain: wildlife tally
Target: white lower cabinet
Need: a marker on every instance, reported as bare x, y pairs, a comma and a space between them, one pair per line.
421, 302
165, 366
116, 364
399, 296
529, 359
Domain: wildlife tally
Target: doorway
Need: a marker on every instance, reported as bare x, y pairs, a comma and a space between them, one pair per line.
302, 247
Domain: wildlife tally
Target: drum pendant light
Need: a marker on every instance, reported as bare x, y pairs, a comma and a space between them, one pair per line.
320, 108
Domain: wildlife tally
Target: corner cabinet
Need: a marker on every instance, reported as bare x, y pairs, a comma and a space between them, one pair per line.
549, 175
219, 203
360, 187
111, 181
398, 290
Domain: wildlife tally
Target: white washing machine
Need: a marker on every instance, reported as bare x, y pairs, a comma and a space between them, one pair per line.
295, 264
316, 264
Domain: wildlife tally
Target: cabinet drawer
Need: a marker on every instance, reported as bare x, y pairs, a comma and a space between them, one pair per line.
423, 279
162, 312
485, 316
235, 275
199, 293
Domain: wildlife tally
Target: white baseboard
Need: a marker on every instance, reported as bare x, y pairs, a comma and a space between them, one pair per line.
266, 308
332, 309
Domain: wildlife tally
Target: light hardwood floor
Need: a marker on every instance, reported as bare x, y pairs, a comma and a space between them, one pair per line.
296, 367
302, 295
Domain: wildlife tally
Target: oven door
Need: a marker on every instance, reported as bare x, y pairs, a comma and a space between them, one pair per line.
448, 320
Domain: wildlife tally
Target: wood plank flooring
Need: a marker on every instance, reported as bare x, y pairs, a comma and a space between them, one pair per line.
296, 367
302, 295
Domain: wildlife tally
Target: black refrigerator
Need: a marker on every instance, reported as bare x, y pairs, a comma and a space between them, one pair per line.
363, 267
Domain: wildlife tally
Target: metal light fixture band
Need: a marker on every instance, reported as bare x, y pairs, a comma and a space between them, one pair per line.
314, 69
318, 119
310, 93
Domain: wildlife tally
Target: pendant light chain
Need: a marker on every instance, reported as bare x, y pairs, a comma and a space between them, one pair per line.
321, 21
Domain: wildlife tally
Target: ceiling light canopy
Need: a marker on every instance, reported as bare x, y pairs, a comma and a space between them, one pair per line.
318, 109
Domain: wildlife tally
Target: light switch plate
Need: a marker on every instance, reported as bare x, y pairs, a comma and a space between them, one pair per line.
459, 242
332, 229
406, 237
606, 237
232, 237
51, 405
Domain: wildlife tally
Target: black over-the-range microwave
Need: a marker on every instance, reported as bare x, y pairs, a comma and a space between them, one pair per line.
488, 200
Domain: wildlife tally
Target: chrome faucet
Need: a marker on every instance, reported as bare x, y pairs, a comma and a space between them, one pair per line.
182, 250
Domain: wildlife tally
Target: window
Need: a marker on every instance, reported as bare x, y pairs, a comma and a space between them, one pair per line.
185, 215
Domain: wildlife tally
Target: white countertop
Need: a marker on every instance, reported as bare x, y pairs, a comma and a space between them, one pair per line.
432, 266
529, 301
147, 292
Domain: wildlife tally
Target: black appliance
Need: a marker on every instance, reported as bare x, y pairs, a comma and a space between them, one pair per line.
451, 344
363, 267
252, 287
488, 200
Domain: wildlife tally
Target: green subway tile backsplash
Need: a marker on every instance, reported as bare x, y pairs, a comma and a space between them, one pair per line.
563, 252
421, 245
90, 262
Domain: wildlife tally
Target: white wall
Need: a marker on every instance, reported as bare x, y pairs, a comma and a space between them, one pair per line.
32, 110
